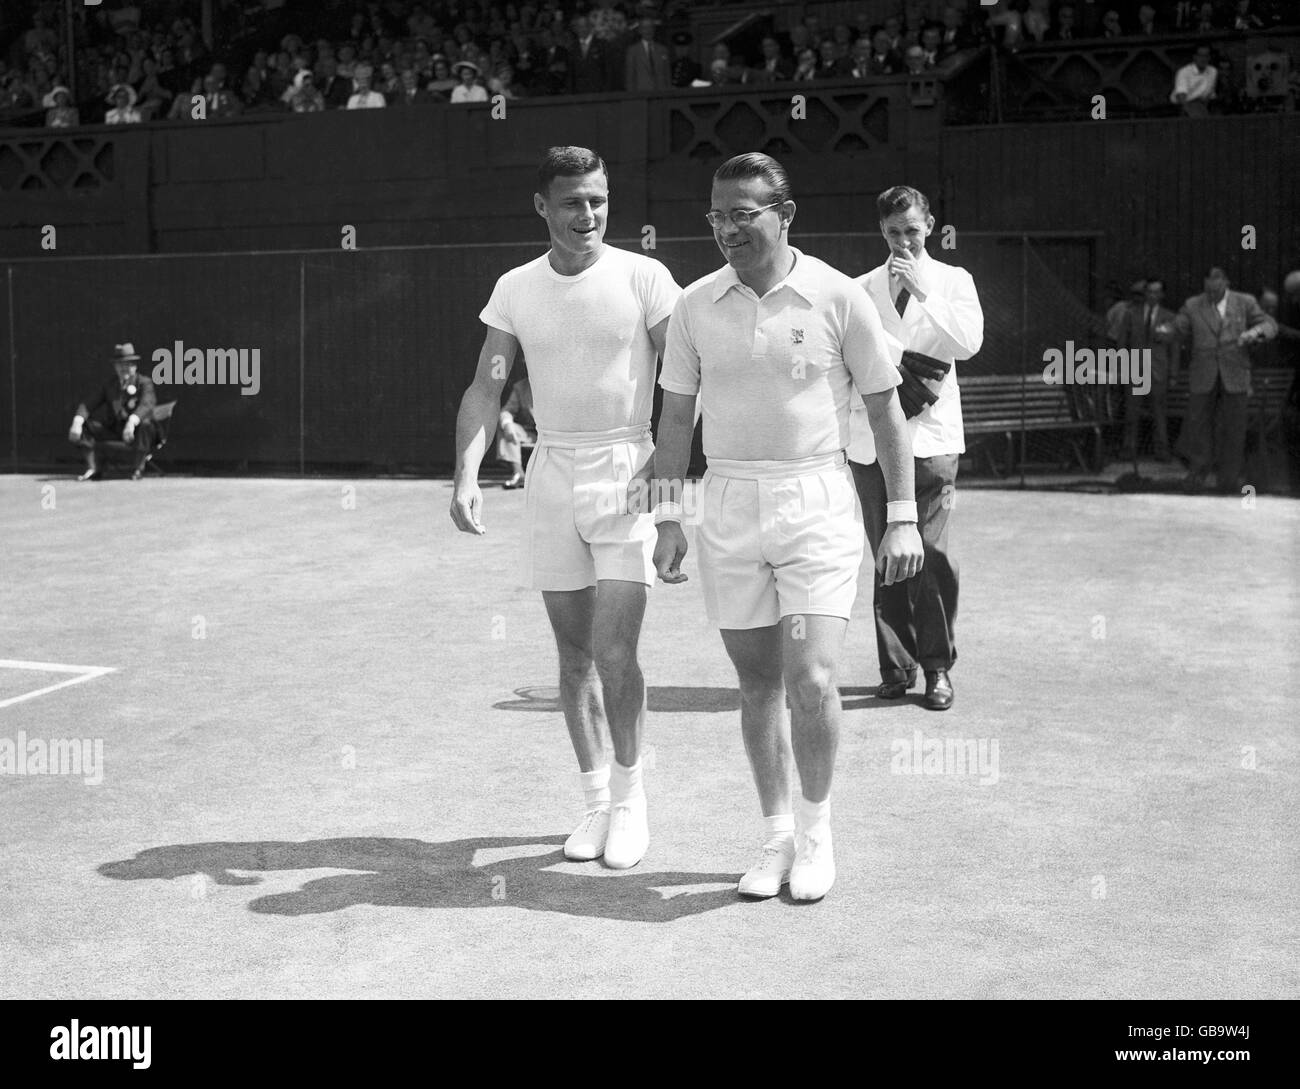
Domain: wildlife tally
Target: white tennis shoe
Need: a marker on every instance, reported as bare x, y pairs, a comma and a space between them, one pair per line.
588, 840
629, 834
770, 872
813, 872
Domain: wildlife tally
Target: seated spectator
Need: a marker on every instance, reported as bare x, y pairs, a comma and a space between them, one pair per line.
773, 68
1037, 21
363, 98
305, 96
468, 89
893, 27
443, 82
1065, 29
1194, 84
829, 66
335, 89
1147, 24
932, 44
121, 410
411, 93
221, 102
183, 105
686, 69
1229, 97
914, 60
388, 83
956, 35
806, 66
554, 63
881, 59
60, 113
1110, 24
500, 85
122, 98
842, 39
1207, 19
155, 99
1245, 19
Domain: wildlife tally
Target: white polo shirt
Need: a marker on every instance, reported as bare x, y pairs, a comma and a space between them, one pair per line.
586, 338
775, 375
949, 325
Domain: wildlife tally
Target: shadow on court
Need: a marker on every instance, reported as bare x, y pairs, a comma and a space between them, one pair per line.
684, 700
413, 873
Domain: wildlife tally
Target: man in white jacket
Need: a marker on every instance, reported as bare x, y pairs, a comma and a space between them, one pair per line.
931, 308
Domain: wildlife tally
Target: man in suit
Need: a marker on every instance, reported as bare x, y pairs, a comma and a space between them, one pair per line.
121, 410
1136, 331
590, 61
931, 308
1220, 324
686, 69
647, 66
773, 68
554, 64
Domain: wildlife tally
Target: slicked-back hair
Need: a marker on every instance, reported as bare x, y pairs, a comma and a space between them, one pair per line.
754, 164
568, 162
899, 199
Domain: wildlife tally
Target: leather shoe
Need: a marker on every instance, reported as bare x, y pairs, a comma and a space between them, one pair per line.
893, 690
938, 690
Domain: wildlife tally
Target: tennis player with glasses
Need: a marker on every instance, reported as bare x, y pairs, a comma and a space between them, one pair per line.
774, 343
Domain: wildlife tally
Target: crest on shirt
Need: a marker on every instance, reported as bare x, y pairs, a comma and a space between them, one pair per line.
796, 336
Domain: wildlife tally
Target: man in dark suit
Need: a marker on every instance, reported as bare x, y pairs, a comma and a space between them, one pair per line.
554, 63
121, 410
773, 68
686, 69
335, 89
590, 61
410, 93
1220, 324
1136, 331
647, 66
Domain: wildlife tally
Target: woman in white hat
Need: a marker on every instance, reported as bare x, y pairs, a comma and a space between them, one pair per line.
304, 96
122, 98
60, 113
468, 89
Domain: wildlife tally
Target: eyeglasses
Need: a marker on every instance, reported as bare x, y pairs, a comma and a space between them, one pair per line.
741, 218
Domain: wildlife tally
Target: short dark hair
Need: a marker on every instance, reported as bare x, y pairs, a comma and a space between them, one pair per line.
754, 164
899, 199
1151, 280
568, 162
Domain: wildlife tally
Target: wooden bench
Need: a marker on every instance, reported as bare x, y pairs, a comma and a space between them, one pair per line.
1007, 404
1269, 387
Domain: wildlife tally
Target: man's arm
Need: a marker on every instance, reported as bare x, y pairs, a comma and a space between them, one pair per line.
1259, 325
672, 459
953, 308
901, 553
476, 422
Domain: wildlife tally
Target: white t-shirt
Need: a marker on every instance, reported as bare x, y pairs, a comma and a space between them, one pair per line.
775, 374
586, 338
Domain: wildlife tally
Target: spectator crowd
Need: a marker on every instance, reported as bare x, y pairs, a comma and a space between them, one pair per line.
136, 63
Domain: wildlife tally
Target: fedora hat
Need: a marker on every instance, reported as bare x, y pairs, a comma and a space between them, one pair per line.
125, 353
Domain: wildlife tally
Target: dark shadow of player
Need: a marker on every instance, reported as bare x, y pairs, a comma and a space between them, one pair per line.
413, 873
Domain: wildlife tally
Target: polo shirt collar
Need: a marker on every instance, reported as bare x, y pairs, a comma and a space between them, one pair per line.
802, 279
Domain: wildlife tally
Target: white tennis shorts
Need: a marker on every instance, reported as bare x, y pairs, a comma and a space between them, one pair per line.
778, 538
579, 528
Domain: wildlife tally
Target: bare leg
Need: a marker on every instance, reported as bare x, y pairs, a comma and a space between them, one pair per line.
756, 654
616, 629
810, 651
572, 613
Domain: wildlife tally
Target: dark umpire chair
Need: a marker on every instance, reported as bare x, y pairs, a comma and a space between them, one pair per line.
162, 422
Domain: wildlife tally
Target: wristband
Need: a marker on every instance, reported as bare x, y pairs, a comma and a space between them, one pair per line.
901, 510
667, 512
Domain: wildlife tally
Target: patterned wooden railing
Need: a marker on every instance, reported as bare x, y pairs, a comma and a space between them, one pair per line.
57, 162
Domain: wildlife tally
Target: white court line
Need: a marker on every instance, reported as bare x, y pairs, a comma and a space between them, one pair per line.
83, 673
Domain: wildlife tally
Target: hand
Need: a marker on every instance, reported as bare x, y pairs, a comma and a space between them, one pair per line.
74, 432
517, 432
901, 553
467, 508
128, 431
670, 551
908, 271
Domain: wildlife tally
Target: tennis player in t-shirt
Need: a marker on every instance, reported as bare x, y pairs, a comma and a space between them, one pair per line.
591, 320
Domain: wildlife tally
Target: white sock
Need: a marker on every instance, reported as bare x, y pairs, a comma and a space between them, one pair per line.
813, 814
625, 783
778, 829
595, 788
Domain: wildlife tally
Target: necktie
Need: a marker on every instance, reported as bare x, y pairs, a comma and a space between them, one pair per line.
900, 303
1151, 322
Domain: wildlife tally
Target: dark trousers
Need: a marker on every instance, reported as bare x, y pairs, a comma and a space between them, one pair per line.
914, 619
1134, 410
1215, 433
95, 431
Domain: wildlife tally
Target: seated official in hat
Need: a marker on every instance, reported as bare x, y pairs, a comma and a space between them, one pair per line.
121, 410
